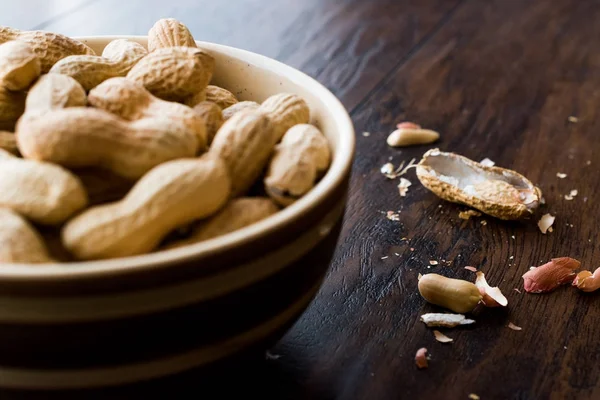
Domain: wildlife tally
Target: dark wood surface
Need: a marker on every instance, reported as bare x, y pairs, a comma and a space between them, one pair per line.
497, 79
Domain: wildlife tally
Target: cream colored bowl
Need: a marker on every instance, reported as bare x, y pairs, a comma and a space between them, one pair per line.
112, 322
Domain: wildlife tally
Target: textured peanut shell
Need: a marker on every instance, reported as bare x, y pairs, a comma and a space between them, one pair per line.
286, 110
54, 91
245, 143
8, 142
237, 214
49, 47
497, 198
171, 195
19, 241
19, 66
192, 101
174, 73
45, 193
221, 97
212, 116
132, 102
454, 294
237, 107
88, 137
298, 160
117, 59
168, 32
12, 106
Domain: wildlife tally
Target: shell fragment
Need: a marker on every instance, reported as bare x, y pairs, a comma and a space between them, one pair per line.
499, 192
445, 320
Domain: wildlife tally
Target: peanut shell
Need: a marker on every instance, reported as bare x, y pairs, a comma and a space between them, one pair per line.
237, 107
174, 73
221, 97
245, 143
298, 160
19, 66
168, 32
43, 192
286, 110
19, 241
117, 59
49, 47
499, 192
170, 195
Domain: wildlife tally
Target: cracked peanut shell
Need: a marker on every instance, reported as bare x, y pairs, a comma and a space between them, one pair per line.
499, 192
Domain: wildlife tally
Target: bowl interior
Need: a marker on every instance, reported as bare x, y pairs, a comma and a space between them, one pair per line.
250, 77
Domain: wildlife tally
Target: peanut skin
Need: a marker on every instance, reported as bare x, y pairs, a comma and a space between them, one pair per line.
245, 143
298, 160
43, 192
117, 59
286, 110
174, 73
87, 137
132, 102
168, 32
171, 195
49, 47
19, 241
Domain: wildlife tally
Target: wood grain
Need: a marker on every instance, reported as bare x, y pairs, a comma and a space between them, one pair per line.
497, 79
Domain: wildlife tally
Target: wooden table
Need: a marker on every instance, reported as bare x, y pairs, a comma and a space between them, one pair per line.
497, 79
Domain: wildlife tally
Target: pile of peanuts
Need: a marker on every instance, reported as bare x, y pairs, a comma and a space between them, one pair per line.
198, 160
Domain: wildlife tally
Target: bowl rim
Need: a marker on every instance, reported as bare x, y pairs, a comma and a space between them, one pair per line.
340, 167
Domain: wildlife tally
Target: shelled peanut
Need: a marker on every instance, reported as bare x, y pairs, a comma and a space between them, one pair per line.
193, 153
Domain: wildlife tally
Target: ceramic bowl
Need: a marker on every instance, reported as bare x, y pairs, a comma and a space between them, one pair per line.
113, 322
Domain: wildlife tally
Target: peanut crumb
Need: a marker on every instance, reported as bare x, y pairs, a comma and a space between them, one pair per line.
483, 222
403, 186
573, 119
466, 215
270, 356
561, 175
440, 337
514, 327
433, 262
366, 134
545, 223
486, 162
393, 216
571, 195
473, 396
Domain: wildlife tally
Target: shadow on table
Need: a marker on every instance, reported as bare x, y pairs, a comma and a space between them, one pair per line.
249, 375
